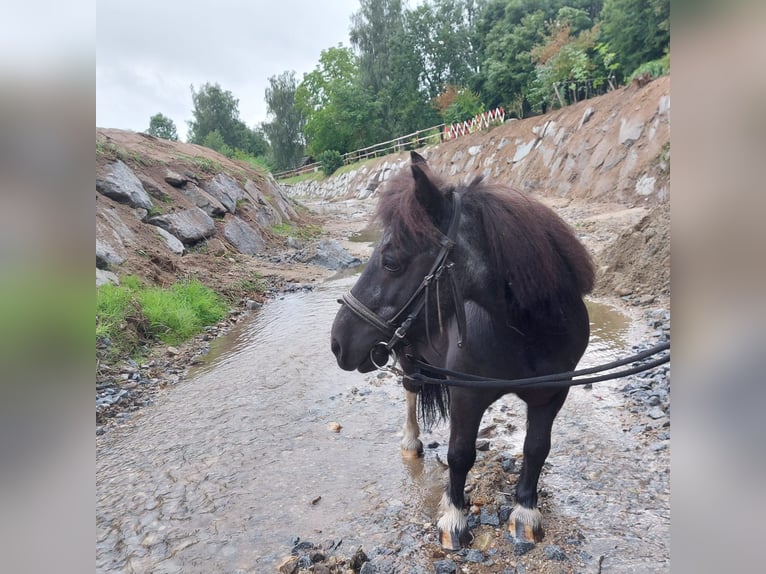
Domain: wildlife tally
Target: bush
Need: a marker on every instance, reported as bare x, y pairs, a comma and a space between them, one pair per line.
654, 68
331, 160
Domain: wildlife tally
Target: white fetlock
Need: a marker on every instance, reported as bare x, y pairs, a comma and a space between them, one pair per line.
452, 525
526, 524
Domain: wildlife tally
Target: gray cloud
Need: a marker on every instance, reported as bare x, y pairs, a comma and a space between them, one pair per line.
150, 52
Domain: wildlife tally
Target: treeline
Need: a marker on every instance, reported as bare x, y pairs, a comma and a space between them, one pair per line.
441, 61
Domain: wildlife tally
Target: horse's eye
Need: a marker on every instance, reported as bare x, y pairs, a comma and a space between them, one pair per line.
391, 266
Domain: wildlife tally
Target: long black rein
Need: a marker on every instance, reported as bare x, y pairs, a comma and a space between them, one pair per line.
555, 380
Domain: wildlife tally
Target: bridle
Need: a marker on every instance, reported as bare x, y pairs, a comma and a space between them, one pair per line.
395, 329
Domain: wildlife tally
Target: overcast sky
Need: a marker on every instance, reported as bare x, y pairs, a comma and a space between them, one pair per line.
150, 51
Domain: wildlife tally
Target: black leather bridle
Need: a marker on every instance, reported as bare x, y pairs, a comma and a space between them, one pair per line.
395, 329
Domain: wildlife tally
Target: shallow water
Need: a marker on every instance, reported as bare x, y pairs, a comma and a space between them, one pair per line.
226, 468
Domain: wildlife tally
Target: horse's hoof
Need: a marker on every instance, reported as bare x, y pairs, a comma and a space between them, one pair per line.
526, 524
449, 540
412, 449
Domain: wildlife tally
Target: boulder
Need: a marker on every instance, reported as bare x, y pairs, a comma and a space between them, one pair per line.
244, 238
171, 241
122, 185
190, 225
224, 189
106, 255
204, 201
331, 255
103, 277
175, 179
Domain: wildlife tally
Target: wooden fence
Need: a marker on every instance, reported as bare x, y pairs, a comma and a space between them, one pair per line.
432, 135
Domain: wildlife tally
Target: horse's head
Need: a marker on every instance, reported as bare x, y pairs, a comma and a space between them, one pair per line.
416, 213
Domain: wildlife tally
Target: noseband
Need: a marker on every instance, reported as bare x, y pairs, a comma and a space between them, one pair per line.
394, 329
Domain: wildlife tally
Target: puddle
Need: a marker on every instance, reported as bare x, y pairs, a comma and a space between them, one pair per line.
226, 468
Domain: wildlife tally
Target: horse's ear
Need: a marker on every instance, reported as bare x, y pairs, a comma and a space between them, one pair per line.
427, 192
415, 157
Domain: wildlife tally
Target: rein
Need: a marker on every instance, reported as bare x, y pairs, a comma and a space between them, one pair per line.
555, 380
419, 299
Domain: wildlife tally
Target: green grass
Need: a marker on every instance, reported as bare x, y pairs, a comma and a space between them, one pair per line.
299, 232
131, 314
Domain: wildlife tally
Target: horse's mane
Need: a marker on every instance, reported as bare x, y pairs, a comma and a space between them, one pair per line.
537, 253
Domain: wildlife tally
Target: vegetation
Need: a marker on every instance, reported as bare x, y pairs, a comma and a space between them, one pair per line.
299, 232
163, 127
132, 314
409, 68
331, 160
285, 130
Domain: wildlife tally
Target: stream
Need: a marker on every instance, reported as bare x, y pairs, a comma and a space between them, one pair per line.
225, 472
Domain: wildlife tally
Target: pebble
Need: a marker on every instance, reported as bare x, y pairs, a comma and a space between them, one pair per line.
521, 547
474, 555
489, 518
444, 567
554, 552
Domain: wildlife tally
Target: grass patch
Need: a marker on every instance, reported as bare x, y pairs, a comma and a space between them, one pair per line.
310, 176
303, 232
131, 314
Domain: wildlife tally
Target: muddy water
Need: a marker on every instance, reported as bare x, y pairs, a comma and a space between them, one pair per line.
223, 471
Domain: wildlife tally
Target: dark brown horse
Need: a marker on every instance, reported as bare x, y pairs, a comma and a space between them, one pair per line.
480, 279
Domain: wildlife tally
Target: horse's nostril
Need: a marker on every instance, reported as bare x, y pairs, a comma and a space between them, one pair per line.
335, 346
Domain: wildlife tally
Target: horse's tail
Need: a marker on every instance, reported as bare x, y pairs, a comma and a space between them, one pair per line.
434, 404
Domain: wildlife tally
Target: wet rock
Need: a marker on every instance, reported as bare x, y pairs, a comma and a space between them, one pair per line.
122, 185
433, 444
304, 562
301, 547
509, 465
444, 567
475, 556
331, 255
489, 518
521, 547
505, 512
554, 552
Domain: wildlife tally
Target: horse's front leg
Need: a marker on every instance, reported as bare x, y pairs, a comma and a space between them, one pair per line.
526, 520
412, 447
465, 415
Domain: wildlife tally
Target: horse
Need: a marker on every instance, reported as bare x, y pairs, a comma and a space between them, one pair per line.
481, 279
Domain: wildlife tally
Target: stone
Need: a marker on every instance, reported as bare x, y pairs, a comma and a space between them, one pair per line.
224, 189
331, 255
444, 567
474, 150
521, 547
489, 518
106, 255
368, 568
171, 241
554, 552
103, 277
244, 238
122, 185
189, 225
475, 556
175, 179
587, 114
216, 247
630, 130
288, 565
204, 201
522, 151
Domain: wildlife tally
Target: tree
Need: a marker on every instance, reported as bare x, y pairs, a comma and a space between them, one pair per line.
163, 127
637, 31
214, 140
285, 130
